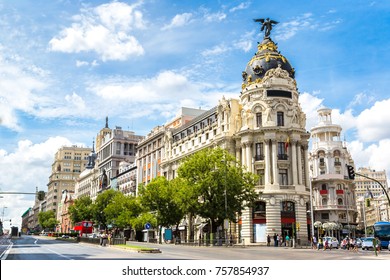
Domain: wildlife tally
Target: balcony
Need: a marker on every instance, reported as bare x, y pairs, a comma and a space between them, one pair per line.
340, 192
259, 157
283, 157
323, 192
337, 163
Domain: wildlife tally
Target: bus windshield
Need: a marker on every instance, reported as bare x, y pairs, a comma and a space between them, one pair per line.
382, 231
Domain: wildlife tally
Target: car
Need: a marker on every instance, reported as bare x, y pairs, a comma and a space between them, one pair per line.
92, 235
367, 243
359, 242
388, 247
332, 241
65, 236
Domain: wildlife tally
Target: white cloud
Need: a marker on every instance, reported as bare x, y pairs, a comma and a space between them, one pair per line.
241, 6
34, 161
18, 89
105, 30
216, 50
178, 21
219, 16
374, 156
310, 103
372, 124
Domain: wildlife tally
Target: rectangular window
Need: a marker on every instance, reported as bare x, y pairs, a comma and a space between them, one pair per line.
283, 178
282, 151
259, 151
260, 173
118, 148
259, 120
280, 118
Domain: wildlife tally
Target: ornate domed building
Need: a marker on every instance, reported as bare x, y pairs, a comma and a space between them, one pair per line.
265, 129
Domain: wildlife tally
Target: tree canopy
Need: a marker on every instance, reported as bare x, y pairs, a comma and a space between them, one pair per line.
222, 187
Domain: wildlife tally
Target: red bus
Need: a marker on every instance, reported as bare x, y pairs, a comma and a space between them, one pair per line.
84, 227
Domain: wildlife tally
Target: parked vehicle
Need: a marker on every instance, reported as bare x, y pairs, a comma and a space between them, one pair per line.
367, 243
359, 242
332, 242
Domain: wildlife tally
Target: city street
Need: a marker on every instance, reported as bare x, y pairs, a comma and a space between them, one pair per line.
45, 248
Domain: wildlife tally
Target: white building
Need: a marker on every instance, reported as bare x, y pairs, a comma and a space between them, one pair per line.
265, 129
334, 199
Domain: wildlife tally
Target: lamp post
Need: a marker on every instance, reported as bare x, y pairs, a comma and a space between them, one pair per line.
311, 209
2, 216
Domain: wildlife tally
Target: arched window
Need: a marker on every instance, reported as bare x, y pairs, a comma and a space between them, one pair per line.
339, 201
288, 206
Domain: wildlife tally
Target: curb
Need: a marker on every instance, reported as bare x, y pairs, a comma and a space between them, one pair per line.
151, 251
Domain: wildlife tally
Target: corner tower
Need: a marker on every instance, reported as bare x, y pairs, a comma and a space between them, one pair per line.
272, 141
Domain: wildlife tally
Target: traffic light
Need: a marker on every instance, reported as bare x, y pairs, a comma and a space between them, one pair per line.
41, 195
368, 202
351, 172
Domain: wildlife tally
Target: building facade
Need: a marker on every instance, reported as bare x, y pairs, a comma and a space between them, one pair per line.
334, 197
265, 129
151, 150
68, 163
377, 208
112, 147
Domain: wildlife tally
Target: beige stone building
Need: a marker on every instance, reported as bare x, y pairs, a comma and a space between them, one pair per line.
265, 129
68, 163
114, 146
151, 150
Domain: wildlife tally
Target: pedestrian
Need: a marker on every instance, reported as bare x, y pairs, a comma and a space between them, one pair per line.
268, 240
280, 240
314, 245
109, 236
326, 244
378, 244
287, 241
275, 240
320, 244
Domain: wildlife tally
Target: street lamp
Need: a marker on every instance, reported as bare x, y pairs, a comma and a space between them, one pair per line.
311, 208
2, 216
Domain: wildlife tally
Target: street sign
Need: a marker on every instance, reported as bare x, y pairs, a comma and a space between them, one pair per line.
226, 223
148, 226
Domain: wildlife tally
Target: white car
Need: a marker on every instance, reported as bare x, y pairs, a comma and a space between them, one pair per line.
367, 243
332, 241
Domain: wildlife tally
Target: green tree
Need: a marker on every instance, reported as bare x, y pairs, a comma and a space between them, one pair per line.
99, 207
223, 188
81, 210
47, 220
158, 197
122, 210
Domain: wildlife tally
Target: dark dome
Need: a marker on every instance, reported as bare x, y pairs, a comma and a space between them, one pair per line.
267, 57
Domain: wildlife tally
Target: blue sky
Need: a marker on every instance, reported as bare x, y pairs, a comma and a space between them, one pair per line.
66, 65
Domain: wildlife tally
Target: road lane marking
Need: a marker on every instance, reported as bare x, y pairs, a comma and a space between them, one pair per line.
59, 254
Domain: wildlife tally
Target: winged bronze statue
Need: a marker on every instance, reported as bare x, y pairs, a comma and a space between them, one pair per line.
266, 24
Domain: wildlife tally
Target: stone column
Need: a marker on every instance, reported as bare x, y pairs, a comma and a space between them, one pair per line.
273, 217
243, 154
249, 156
275, 162
267, 161
294, 162
300, 169
306, 166
247, 226
301, 218
238, 152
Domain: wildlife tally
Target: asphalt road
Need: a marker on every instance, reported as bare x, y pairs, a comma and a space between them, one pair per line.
47, 248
